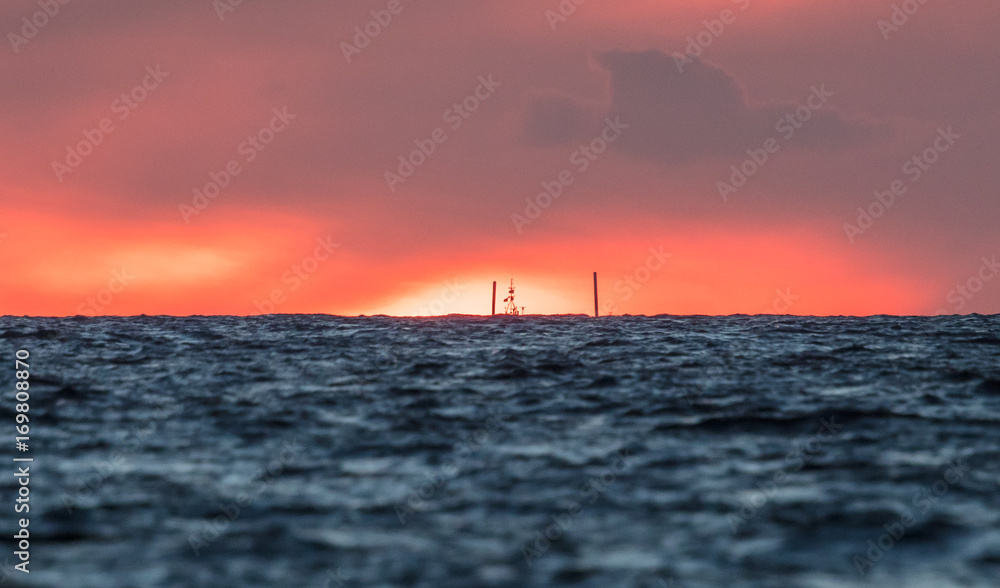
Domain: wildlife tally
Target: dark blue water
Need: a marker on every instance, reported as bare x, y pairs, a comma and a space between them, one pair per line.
562, 451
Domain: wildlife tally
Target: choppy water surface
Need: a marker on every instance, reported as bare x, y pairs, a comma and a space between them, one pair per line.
666, 451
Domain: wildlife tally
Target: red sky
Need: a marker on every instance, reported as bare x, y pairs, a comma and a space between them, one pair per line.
99, 174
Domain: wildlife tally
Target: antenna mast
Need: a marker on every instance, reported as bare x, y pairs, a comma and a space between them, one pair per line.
511, 308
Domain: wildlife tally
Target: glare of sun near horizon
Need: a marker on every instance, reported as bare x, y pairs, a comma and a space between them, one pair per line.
472, 296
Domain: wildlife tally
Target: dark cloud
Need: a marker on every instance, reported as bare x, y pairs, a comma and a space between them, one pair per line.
556, 120
693, 110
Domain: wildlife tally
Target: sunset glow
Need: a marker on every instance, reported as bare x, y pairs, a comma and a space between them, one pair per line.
208, 158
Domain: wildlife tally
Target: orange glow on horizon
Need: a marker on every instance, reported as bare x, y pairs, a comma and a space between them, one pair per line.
237, 266
707, 273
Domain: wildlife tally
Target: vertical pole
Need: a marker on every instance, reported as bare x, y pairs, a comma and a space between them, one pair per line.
493, 313
595, 295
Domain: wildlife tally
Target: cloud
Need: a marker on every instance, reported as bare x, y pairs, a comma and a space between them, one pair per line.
556, 119
700, 112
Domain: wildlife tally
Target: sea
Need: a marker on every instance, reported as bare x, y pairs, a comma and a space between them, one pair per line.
536, 451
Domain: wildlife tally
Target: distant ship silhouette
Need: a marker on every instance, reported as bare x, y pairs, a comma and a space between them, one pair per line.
513, 310
511, 307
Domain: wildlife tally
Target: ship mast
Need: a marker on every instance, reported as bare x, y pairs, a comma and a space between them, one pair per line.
511, 308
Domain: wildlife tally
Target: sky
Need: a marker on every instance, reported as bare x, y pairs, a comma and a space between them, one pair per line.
398, 156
